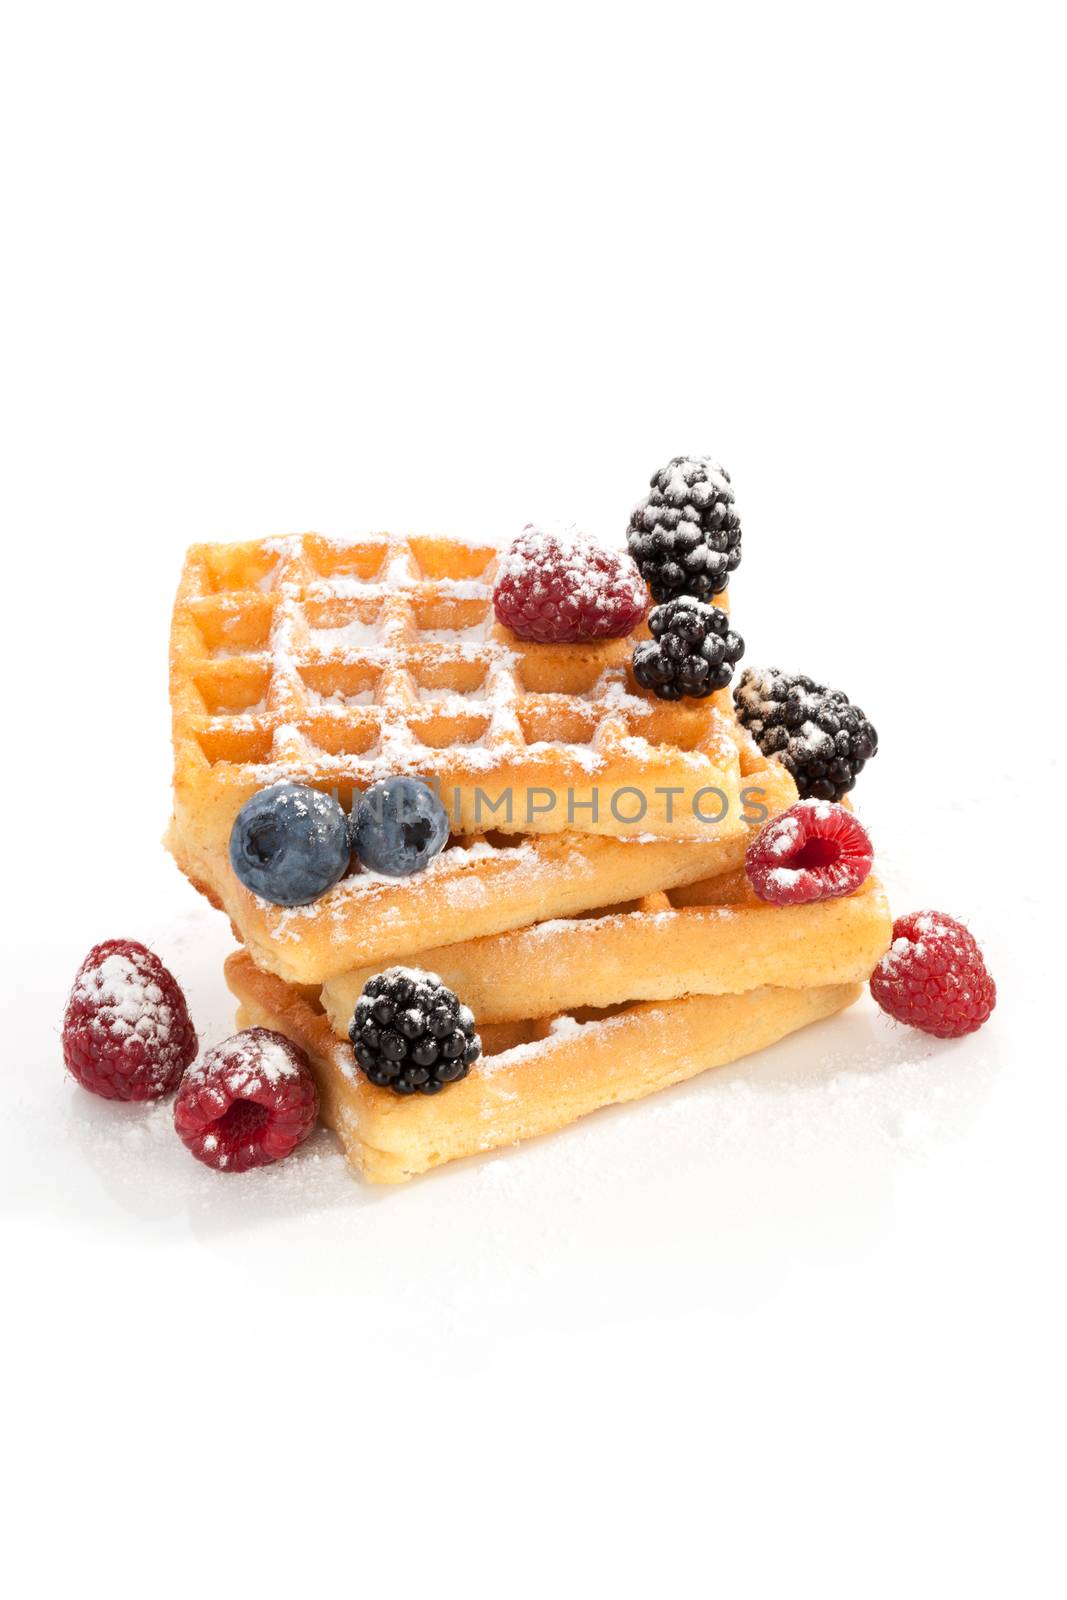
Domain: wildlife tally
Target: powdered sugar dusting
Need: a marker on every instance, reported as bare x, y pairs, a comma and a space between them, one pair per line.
584, 565
564, 1028
416, 974
247, 1063
783, 837
476, 633
353, 634
126, 997
362, 683
676, 486
339, 701
900, 950
452, 872
562, 1032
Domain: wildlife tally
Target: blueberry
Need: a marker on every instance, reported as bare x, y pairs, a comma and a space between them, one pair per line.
398, 826
289, 844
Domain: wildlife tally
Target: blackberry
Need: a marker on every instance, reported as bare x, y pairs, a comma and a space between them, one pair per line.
686, 534
411, 1034
692, 650
816, 733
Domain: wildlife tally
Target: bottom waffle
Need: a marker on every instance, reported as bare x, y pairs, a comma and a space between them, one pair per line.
534, 1077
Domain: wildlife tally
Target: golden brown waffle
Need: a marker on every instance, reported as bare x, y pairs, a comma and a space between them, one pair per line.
653, 950
533, 1078
257, 696
473, 888
336, 663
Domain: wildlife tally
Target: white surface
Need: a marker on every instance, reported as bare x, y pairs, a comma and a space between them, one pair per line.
795, 1328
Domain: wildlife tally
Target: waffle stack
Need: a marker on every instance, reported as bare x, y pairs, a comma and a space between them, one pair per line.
590, 906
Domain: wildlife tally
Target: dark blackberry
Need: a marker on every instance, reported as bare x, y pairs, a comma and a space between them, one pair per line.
692, 650
686, 534
411, 1034
816, 733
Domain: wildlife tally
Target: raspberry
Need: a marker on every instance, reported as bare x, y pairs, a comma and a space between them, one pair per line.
126, 1030
248, 1102
933, 976
813, 851
555, 588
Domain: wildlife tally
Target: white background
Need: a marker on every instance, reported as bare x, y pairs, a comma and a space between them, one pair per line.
794, 1328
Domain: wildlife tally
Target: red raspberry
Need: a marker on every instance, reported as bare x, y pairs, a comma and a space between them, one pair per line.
126, 1030
555, 588
933, 976
248, 1102
814, 851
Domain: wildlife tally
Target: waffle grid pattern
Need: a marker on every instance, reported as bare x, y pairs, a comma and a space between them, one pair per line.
337, 663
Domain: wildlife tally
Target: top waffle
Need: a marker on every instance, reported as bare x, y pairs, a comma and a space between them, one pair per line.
336, 663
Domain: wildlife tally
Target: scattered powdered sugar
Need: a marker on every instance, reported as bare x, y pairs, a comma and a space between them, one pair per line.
632, 744
703, 556
821, 810
417, 975
516, 1056
397, 577
586, 756
818, 1120
226, 652
813, 741
565, 1028
904, 948
611, 692
339, 700
810, 739
451, 866
676, 486
561, 546
555, 928
461, 638
354, 634
452, 702
782, 837
246, 1063
142, 1163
